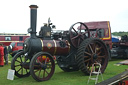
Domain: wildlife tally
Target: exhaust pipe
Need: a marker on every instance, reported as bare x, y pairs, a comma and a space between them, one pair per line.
33, 9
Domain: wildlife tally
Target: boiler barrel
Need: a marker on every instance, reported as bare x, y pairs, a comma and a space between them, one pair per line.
54, 47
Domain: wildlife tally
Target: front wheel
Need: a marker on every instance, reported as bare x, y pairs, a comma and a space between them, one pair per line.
42, 66
20, 64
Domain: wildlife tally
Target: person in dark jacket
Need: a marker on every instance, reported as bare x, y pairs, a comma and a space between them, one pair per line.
1, 55
6, 55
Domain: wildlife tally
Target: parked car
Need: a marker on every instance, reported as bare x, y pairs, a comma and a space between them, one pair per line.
15, 47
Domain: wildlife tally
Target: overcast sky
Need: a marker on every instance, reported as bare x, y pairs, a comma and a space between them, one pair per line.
15, 14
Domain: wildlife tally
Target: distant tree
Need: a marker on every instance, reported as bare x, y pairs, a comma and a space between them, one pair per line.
119, 33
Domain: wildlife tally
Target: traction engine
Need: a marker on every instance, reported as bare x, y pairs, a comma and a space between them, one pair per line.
120, 49
74, 50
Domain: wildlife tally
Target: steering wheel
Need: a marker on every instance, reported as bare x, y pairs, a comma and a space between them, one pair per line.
77, 33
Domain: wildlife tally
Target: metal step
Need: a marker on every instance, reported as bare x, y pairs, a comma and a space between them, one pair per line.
93, 78
96, 72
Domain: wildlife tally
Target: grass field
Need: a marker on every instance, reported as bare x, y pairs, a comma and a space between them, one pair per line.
62, 78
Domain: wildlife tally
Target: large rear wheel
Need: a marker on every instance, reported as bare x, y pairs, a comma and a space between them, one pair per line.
92, 50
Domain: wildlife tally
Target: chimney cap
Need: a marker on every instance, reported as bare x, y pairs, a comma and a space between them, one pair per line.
33, 6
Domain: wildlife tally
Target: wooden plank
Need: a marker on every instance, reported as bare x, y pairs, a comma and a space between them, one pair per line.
125, 62
115, 79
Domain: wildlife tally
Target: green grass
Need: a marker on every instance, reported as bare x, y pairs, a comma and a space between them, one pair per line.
60, 77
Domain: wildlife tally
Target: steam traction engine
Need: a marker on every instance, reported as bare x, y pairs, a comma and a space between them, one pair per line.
74, 50
120, 48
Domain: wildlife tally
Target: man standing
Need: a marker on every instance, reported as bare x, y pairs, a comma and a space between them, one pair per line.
6, 55
1, 55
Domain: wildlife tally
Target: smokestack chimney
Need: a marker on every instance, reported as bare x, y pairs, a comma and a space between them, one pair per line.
33, 9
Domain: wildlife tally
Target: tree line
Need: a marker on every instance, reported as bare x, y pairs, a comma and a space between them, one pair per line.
119, 33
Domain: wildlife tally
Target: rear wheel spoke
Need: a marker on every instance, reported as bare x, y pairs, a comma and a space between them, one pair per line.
87, 60
99, 53
101, 56
91, 48
88, 53
86, 56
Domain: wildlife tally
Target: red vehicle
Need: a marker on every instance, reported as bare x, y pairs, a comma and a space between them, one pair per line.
7, 38
102, 30
15, 47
